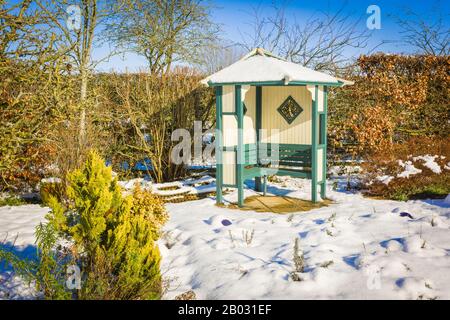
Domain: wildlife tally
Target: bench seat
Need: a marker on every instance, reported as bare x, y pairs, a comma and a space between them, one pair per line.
251, 172
291, 160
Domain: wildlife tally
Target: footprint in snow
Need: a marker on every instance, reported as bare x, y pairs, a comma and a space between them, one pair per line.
394, 244
406, 214
217, 221
226, 222
352, 260
402, 212
303, 234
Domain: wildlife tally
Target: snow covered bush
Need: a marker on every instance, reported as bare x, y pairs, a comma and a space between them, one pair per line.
418, 168
110, 237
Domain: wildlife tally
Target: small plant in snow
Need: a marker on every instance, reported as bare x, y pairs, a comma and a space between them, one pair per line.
332, 217
188, 295
299, 260
364, 247
247, 236
335, 186
295, 277
326, 264
242, 271
231, 238
433, 222
168, 238
423, 244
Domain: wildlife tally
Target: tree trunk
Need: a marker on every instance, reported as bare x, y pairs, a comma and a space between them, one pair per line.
83, 95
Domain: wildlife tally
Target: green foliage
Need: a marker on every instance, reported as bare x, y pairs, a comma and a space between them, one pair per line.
109, 236
47, 190
96, 198
11, 201
50, 268
426, 184
419, 188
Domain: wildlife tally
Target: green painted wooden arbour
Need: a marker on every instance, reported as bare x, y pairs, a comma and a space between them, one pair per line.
319, 141
290, 157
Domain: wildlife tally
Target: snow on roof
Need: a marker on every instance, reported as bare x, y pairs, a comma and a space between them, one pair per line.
262, 66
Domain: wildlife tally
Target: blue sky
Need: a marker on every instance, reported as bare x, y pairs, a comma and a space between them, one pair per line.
234, 15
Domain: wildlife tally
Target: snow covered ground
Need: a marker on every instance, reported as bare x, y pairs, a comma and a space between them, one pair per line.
17, 225
356, 248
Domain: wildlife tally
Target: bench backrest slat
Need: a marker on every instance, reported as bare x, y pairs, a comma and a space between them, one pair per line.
288, 155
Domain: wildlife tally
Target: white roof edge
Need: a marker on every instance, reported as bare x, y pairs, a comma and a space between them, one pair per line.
346, 82
204, 82
268, 67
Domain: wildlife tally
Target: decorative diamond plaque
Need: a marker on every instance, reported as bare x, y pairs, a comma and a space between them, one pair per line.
290, 109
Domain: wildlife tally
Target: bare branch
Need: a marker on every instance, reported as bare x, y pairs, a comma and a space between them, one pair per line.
321, 42
427, 35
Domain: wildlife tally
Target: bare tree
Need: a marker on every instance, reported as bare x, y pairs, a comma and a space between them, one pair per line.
21, 35
164, 31
427, 35
320, 42
77, 38
217, 56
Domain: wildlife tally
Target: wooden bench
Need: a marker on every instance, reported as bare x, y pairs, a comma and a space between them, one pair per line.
292, 160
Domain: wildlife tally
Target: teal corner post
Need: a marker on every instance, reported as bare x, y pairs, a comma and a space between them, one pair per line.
258, 115
219, 146
314, 146
240, 146
323, 186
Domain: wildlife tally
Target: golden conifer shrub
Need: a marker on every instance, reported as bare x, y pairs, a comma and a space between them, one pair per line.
151, 207
108, 236
114, 234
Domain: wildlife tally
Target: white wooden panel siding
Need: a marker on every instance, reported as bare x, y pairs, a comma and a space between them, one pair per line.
250, 116
228, 99
229, 130
229, 167
320, 106
299, 131
320, 165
